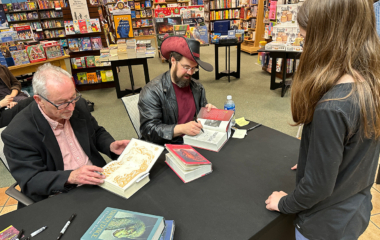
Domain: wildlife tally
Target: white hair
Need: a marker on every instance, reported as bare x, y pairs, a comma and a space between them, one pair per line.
47, 72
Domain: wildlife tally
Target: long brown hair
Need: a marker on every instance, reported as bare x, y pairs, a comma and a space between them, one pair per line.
341, 39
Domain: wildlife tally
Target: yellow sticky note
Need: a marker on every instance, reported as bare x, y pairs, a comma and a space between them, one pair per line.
241, 122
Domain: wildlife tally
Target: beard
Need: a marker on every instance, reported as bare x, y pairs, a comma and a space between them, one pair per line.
181, 81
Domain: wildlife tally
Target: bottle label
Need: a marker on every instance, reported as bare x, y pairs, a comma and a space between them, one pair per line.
229, 108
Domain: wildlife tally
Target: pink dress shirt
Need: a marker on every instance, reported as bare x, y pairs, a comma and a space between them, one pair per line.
72, 153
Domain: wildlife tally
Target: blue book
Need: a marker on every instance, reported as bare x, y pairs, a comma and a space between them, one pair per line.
116, 223
148, 4
168, 233
133, 14
222, 27
215, 37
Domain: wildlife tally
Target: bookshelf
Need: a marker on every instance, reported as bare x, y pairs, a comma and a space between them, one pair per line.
94, 13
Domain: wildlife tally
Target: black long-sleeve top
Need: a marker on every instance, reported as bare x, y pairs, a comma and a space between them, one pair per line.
336, 169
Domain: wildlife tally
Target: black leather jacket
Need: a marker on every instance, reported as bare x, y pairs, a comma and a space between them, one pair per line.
159, 110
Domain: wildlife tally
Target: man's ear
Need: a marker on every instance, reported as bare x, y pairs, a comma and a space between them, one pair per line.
37, 99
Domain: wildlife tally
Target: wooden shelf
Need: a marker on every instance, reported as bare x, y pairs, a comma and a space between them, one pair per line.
30, 20
49, 9
84, 34
218, 9
54, 38
142, 18
224, 19
21, 11
88, 69
51, 18
53, 28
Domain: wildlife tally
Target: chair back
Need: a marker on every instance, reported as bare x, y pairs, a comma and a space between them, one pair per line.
130, 103
2, 156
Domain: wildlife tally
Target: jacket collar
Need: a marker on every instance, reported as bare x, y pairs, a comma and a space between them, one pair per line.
79, 127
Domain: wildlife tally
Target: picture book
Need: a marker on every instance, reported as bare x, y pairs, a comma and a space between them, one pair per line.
24, 32
123, 26
133, 14
138, 14
88, 26
82, 26
143, 14
115, 223
96, 43
92, 78
99, 76
215, 37
86, 44
168, 232
103, 75
63, 42
137, 6
109, 76
76, 27
148, 12
98, 63
53, 50
20, 57
131, 4
90, 61
76, 63
82, 78
9, 233
95, 25
74, 44
148, 4
130, 171
216, 129
36, 53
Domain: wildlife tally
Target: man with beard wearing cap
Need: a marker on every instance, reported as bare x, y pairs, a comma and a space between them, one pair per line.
169, 103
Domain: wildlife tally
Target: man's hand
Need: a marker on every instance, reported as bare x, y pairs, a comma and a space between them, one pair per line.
209, 106
118, 147
86, 175
191, 128
273, 200
294, 167
11, 105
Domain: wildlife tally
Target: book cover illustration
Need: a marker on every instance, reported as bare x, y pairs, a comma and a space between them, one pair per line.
95, 25
86, 44
137, 159
82, 25
131, 4
115, 223
24, 32
98, 63
198, 33
76, 27
143, 14
137, 6
92, 78
74, 44
82, 78
36, 53
90, 61
109, 76
69, 27
96, 43
3, 18
9, 233
148, 12
20, 57
133, 14
138, 14
187, 154
88, 25
123, 26
148, 4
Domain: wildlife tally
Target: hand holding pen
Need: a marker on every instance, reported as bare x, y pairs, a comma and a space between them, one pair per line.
195, 119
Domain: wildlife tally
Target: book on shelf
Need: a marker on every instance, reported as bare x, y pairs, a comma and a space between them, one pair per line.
186, 162
216, 129
96, 43
82, 78
92, 78
168, 232
130, 171
115, 223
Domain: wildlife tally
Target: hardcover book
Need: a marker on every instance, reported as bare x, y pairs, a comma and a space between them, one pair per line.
96, 43
82, 78
92, 78
90, 61
115, 223
86, 44
168, 232
216, 127
82, 26
74, 44
130, 171
95, 25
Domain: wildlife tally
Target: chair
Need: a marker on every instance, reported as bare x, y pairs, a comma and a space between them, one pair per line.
130, 104
12, 191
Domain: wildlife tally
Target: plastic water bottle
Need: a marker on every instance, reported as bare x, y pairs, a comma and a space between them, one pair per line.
230, 105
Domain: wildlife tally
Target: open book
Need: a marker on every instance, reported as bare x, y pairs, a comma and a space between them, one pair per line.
216, 127
130, 171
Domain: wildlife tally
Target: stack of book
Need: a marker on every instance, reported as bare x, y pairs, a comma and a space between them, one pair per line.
187, 163
122, 49
104, 55
113, 52
141, 49
131, 48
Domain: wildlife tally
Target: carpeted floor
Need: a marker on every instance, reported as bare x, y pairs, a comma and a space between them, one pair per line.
253, 98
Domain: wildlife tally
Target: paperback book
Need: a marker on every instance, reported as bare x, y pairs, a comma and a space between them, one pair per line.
130, 171
115, 223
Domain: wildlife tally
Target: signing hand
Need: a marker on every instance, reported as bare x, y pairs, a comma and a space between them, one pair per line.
191, 128
11, 105
86, 175
294, 167
209, 106
273, 200
118, 147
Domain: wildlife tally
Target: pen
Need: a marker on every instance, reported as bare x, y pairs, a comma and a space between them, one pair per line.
66, 226
38, 231
258, 125
195, 119
20, 234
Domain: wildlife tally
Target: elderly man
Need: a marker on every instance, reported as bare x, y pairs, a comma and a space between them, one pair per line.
169, 103
53, 144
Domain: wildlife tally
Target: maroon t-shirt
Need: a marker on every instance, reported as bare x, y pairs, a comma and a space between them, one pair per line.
186, 104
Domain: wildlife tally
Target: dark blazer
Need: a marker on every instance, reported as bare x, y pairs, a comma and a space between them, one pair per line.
9, 79
34, 156
159, 109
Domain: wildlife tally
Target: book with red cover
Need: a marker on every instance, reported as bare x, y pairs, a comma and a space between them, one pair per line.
216, 114
187, 154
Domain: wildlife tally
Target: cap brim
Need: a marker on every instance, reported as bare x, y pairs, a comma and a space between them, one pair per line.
206, 66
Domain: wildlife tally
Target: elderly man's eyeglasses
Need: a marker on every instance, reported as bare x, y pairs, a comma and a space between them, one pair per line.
187, 68
65, 104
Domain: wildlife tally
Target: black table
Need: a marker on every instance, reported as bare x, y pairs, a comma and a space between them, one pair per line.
284, 55
227, 204
129, 62
228, 71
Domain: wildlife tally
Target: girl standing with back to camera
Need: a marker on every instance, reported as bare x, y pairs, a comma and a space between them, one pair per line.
336, 95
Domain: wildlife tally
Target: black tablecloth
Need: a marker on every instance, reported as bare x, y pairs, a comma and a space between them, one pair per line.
226, 204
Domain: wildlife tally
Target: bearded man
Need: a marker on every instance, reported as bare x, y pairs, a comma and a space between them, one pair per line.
169, 103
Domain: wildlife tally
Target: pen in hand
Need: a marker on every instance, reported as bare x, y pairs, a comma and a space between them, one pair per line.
195, 119
66, 226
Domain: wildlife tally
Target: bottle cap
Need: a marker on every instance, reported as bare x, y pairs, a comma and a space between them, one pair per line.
229, 97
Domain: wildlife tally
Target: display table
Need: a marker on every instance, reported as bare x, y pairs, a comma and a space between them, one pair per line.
228, 71
228, 204
284, 55
129, 62
32, 67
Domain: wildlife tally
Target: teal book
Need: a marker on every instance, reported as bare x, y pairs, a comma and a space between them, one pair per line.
118, 224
